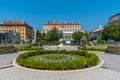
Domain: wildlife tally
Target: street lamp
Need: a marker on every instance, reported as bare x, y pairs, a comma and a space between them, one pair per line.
81, 41
14, 37
108, 37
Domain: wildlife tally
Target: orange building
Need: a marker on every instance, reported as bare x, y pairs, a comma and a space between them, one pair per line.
65, 26
25, 31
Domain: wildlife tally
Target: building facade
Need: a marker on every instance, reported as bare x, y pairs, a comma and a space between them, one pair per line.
25, 31
64, 26
9, 37
95, 33
114, 19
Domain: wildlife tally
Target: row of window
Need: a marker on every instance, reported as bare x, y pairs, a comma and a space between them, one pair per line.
12, 26
64, 26
14, 30
69, 26
71, 29
115, 18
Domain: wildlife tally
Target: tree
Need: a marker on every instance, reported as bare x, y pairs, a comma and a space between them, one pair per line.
53, 35
86, 38
38, 36
106, 33
99, 38
112, 32
77, 35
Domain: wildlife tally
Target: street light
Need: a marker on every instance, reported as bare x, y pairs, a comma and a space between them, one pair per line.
108, 37
14, 37
81, 41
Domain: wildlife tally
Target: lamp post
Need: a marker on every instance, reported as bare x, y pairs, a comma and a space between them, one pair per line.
2, 37
81, 41
14, 37
108, 37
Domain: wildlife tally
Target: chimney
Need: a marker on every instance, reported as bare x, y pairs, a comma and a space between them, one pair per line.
65, 22
14, 20
3, 21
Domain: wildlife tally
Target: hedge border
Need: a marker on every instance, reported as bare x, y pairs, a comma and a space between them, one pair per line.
91, 59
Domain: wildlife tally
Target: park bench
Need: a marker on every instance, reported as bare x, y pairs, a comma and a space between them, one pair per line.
113, 49
7, 49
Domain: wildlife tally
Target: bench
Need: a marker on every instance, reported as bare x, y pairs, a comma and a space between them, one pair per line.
113, 49
7, 49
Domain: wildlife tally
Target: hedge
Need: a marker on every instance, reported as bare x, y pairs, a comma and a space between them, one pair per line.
90, 49
86, 60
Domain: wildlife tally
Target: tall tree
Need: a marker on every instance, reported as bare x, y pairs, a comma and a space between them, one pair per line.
86, 38
53, 35
38, 36
78, 35
112, 32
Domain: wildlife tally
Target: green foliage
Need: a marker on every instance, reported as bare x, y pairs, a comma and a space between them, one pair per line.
111, 32
40, 36
85, 48
79, 48
99, 41
53, 35
52, 43
82, 59
26, 47
77, 35
22, 41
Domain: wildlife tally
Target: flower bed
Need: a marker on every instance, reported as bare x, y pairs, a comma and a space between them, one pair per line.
52, 60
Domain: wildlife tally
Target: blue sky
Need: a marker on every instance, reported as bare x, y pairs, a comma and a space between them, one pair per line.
89, 13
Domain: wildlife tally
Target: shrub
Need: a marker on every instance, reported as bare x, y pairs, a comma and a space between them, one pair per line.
27, 47
79, 48
90, 49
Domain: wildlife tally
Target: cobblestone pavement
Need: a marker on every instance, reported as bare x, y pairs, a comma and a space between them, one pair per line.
112, 61
6, 59
14, 73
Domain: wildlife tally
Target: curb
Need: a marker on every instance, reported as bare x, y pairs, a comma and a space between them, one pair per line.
6, 66
58, 71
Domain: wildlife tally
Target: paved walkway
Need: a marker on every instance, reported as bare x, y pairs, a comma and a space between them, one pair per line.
7, 59
60, 47
112, 61
14, 73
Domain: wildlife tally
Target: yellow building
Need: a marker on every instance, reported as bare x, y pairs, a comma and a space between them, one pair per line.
65, 26
25, 31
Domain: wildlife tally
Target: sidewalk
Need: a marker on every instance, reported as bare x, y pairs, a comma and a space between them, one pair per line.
6, 59
14, 73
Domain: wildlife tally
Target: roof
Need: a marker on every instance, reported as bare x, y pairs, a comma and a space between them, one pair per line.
14, 23
61, 23
115, 15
